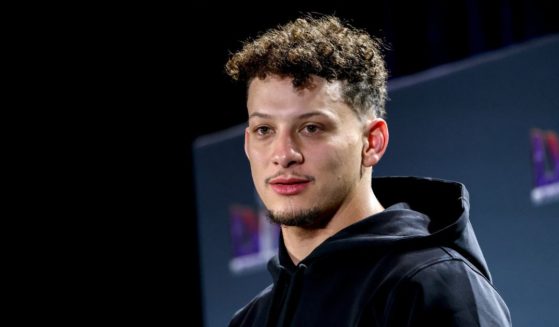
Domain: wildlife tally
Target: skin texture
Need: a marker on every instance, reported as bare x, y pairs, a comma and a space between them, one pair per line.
311, 139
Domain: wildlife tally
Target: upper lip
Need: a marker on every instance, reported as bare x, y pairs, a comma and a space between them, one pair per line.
288, 180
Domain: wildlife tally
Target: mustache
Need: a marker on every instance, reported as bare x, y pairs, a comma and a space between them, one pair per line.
290, 174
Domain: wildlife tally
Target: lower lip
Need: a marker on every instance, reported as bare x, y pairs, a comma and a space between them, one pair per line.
289, 189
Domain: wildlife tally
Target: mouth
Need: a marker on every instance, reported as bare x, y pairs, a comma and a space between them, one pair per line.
289, 186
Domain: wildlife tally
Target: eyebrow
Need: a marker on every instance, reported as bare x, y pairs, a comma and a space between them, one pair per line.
303, 116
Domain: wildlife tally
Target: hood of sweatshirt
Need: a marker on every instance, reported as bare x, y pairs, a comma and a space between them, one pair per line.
419, 212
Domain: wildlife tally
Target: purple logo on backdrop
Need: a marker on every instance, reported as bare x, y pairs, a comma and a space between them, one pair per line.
244, 231
545, 163
254, 240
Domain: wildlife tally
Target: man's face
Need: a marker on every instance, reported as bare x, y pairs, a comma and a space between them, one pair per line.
305, 149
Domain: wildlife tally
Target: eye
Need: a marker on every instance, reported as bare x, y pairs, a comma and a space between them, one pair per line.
311, 128
262, 130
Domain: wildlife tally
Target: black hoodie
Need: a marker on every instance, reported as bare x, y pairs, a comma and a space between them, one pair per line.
417, 263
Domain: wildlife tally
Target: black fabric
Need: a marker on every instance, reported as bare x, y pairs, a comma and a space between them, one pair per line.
417, 263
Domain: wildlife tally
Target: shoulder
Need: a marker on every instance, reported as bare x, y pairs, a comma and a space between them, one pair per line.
417, 263
449, 276
254, 311
442, 272
444, 286
432, 262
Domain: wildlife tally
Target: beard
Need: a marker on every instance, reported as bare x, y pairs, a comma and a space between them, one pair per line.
312, 218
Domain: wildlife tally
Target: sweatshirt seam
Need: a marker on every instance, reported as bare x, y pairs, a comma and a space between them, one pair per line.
411, 275
469, 264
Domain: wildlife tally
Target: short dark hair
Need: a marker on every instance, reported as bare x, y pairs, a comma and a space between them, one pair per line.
321, 46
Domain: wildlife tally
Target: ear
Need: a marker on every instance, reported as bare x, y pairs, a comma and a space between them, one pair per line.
376, 141
246, 143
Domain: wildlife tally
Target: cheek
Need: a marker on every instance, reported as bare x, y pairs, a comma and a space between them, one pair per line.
258, 163
352, 160
255, 156
342, 159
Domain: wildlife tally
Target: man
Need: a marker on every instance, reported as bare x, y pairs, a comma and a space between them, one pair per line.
402, 253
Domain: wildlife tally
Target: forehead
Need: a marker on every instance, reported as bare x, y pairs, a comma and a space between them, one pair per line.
315, 85
274, 92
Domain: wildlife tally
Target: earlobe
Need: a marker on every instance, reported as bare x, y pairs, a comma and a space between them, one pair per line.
376, 142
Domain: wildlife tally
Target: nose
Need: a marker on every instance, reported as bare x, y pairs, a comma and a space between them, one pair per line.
286, 152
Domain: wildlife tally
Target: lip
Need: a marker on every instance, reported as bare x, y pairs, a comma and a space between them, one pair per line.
289, 186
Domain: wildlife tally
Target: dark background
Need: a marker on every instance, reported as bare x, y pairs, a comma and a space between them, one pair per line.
172, 82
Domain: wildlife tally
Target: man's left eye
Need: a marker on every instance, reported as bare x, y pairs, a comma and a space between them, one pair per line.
311, 128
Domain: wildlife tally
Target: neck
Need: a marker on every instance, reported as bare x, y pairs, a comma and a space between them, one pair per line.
300, 242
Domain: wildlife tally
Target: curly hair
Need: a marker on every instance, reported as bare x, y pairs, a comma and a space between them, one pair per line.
323, 47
